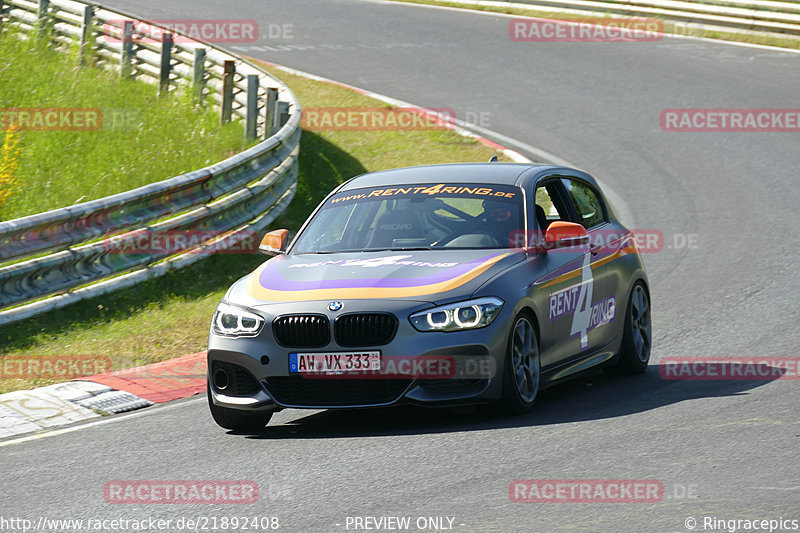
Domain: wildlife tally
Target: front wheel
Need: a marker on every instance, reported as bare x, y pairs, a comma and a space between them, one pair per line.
235, 419
637, 338
522, 369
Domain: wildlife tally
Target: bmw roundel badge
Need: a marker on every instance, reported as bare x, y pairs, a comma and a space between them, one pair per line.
334, 306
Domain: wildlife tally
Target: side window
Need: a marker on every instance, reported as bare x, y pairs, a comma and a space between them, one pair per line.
549, 207
587, 204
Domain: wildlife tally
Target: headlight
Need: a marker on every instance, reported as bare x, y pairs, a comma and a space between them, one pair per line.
472, 314
235, 322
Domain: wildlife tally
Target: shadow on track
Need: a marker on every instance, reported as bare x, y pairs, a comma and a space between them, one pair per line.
594, 396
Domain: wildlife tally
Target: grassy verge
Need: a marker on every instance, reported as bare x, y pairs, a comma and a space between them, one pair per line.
670, 27
140, 139
169, 316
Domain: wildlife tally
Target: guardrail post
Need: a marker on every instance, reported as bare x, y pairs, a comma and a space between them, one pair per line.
269, 112
166, 63
199, 77
86, 32
126, 58
283, 113
42, 18
227, 91
251, 112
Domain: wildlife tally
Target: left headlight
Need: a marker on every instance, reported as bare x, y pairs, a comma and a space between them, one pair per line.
458, 316
235, 322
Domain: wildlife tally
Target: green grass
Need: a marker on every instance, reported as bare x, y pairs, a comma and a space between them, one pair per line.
169, 317
143, 138
670, 27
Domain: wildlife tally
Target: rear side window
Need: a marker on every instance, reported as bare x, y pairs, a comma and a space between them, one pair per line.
586, 202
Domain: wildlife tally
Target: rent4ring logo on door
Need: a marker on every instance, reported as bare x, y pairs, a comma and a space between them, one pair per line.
577, 300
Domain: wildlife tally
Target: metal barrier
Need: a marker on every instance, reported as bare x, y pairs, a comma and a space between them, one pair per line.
778, 18
52, 259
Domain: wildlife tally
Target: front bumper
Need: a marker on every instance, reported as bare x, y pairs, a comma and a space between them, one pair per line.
260, 365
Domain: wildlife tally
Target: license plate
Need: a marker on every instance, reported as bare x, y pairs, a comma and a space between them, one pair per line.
322, 363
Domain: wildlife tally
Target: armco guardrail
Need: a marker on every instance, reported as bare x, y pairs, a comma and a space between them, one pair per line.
773, 17
51, 259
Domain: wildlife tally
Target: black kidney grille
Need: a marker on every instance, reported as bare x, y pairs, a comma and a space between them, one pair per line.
365, 329
302, 391
302, 331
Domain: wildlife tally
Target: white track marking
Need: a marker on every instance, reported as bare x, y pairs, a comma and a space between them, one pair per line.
114, 418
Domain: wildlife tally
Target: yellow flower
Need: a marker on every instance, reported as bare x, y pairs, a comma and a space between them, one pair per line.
9, 161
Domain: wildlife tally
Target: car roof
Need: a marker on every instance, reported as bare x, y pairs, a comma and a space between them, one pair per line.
496, 173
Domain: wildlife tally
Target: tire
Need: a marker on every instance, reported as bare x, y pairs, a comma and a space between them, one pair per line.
634, 354
522, 369
235, 419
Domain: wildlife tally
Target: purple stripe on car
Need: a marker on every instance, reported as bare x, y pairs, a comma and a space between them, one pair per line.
272, 278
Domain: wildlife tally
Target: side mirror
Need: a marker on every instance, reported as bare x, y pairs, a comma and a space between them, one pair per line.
565, 234
274, 241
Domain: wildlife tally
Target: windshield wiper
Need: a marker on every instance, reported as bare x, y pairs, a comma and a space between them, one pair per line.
404, 249
347, 251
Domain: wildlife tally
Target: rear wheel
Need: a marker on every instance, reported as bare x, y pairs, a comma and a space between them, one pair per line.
235, 419
522, 371
637, 339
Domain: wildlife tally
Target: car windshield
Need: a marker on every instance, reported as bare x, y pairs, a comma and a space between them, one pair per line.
424, 216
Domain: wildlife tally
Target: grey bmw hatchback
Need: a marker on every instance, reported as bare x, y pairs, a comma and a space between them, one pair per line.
433, 285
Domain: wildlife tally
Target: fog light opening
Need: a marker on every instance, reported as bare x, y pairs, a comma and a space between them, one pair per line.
221, 379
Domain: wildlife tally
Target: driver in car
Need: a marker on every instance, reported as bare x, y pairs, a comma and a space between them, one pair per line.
501, 222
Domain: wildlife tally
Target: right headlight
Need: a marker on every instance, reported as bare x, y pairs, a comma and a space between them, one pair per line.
472, 314
233, 321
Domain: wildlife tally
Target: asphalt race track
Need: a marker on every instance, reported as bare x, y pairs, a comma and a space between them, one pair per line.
725, 284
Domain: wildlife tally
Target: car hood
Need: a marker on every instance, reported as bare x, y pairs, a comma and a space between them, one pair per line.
427, 275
